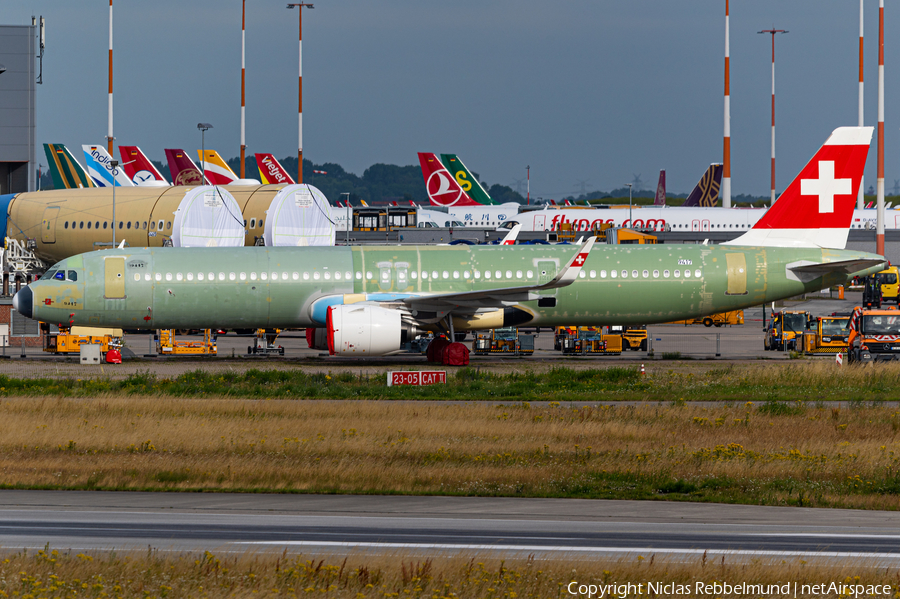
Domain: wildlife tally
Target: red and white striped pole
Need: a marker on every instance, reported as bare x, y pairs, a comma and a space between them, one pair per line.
726, 150
109, 134
861, 200
243, 104
879, 231
300, 6
772, 32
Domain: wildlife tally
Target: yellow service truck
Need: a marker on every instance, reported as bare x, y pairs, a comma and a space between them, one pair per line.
70, 340
830, 337
786, 331
720, 319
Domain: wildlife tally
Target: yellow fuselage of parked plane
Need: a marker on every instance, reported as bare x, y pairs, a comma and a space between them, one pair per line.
67, 222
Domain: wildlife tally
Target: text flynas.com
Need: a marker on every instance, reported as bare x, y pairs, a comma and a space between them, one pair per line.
720, 589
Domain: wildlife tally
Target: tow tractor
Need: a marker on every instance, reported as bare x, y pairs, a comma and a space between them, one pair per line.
787, 326
874, 335
69, 340
588, 340
505, 340
265, 343
634, 336
830, 336
167, 344
720, 319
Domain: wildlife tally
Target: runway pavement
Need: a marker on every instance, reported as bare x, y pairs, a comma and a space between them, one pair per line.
558, 528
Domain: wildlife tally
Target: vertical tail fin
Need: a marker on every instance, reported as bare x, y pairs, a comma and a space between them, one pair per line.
217, 170
271, 171
510, 238
466, 179
183, 169
442, 188
101, 171
661, 189
138, 167
706, 192
816, 209
65, 170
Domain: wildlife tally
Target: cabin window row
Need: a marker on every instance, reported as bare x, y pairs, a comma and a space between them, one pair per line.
122, 225
645, 274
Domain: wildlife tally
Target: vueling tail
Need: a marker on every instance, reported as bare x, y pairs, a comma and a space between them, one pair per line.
466, 179
65, 170
442, 188
706, 192
183, 169
101, 171
816, 209
139, 168
271, 171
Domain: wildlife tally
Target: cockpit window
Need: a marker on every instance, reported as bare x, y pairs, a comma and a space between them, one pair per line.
73, 275
49, 274
60, 275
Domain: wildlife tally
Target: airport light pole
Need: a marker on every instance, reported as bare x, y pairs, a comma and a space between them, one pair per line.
243, 105
204, 127
300, 6
528, 177
772, 32
114, 164
629, 203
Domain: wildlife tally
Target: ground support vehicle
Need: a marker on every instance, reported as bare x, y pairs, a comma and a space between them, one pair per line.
69, 340
874, 335
721, 319
786, 330
506, 340
633, 337
168, 345
830, 337
889, 281
588, 340
265, 343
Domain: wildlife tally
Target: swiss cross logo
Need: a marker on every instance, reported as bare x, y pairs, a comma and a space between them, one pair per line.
826, 186
579, 259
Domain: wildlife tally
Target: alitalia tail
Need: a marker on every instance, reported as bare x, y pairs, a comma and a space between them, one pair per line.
370, 299
66, 172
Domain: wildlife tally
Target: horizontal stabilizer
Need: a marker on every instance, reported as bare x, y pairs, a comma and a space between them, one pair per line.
806, 271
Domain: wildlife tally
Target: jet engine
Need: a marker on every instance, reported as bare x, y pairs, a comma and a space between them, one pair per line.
317, 338
366, 330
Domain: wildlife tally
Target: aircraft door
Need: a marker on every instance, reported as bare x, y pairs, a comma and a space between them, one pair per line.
695, 225
704, 225
546, 271
48, 224
114, 277
539, 222
736, 272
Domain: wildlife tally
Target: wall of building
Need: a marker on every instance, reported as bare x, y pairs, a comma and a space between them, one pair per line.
17, 108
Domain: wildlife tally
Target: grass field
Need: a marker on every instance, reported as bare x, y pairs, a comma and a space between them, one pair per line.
755, 451
50, 573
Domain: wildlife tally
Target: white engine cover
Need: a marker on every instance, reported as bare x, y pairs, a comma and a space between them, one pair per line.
356, 329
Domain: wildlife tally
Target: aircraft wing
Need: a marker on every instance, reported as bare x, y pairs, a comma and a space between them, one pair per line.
807, 271
497, 298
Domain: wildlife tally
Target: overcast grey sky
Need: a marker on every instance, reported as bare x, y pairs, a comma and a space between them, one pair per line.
594, 90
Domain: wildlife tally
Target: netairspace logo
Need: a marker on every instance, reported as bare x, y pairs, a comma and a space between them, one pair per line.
721, 589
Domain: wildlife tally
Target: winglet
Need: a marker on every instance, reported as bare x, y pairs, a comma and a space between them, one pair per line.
571, 270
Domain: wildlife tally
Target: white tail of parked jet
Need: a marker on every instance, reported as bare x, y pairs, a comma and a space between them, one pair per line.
820, 199
100, 169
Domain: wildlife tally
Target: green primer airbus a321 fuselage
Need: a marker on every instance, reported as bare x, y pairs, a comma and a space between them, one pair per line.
369, 298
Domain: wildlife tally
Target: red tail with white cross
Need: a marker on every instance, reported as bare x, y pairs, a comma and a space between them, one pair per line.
816, 209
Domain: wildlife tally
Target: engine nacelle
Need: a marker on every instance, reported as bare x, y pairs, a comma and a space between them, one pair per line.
365, 330
317, 338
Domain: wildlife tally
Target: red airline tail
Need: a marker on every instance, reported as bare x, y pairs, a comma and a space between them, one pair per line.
183, 169
443, 190
817, 207
138, 167
270, 170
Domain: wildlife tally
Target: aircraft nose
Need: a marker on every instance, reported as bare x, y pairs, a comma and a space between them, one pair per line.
23, 302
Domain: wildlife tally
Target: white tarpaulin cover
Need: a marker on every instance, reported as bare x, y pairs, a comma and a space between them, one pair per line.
208, 216
299, 215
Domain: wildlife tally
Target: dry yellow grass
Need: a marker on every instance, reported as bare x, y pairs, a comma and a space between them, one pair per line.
816, 456
49, 574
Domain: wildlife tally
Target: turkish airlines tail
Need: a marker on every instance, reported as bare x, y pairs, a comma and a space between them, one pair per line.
270, 170
101, 171
183, 169
466, 179
661, 190
65, 170
706, 192
817, 207
442, 188
139, 168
